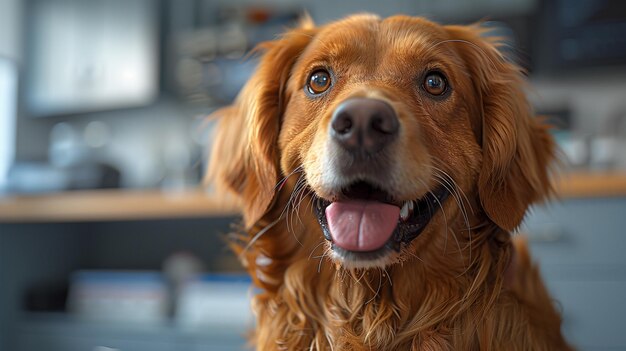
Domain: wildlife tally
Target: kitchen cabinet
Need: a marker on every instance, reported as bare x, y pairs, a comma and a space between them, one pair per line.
580, 246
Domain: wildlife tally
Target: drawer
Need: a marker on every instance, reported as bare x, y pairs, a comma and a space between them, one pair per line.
578, 232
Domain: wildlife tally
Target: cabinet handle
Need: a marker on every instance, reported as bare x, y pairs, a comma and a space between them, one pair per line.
104, 348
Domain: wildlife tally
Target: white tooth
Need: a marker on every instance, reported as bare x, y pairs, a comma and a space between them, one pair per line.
410, 207
405, 211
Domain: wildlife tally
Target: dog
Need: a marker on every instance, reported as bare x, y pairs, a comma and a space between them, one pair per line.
381, 166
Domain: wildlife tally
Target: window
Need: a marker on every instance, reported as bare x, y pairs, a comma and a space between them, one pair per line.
8, 101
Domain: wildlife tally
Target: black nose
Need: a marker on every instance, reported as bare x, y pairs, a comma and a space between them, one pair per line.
364, 124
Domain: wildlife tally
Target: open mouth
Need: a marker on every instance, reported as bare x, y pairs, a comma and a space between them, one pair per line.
365, 224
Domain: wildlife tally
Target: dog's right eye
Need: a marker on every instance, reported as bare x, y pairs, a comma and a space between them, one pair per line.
319, 82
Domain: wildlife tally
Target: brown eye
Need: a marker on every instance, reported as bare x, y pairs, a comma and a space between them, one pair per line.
319, 82
435, 83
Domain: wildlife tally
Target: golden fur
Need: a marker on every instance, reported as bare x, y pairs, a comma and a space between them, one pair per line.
448, 290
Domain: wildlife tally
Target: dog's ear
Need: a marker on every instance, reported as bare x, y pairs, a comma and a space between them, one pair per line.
244, 156
517, 147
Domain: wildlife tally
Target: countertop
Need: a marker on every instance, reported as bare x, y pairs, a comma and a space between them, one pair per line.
109, 205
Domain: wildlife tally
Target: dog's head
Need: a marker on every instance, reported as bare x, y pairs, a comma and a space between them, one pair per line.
398, 129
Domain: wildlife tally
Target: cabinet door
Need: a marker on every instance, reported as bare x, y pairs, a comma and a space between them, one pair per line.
580, 246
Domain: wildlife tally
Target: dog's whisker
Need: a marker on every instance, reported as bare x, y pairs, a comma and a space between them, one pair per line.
459, 204
281, 182
363, 273
466, 220
440, 173
445, 218
252, 241
380, 283
414, 255
288, 201
457, 188
448, 179
292, 201
304, 193
258, 235
479, 226
290, 204
453, 189
450, 190
311, 201
445, 182
319, 265
315, 248
264, 230
351, 273
301, 197
388, 276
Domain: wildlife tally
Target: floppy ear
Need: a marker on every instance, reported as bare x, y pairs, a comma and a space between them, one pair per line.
244, 157
517, 147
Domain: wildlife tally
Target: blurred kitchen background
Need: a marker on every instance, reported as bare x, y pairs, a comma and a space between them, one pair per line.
109, 242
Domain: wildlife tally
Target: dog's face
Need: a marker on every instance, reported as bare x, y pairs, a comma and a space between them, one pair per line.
379, 120
399, 129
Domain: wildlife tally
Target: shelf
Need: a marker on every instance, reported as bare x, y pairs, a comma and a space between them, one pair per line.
110, 205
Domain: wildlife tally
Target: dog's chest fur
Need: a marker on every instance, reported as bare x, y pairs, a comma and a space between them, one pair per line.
310, 302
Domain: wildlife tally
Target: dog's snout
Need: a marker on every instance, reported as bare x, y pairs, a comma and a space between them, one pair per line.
364, 124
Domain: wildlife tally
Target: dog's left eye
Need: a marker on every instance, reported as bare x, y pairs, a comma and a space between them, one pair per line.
319, 82
435, 83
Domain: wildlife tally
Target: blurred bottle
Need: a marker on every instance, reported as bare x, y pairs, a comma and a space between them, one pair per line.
179, 268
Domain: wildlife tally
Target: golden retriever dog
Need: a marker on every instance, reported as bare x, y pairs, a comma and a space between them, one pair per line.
381, 165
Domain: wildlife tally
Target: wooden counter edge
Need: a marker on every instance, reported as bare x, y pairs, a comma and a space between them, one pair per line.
111, 205
590, 185
119, 205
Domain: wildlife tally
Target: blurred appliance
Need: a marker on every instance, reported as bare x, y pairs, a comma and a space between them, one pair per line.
8, 102
582, 33
119, 296
607, 148
34, 178
89, 55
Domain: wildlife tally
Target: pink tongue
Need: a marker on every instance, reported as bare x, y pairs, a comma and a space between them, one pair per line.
361, 225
